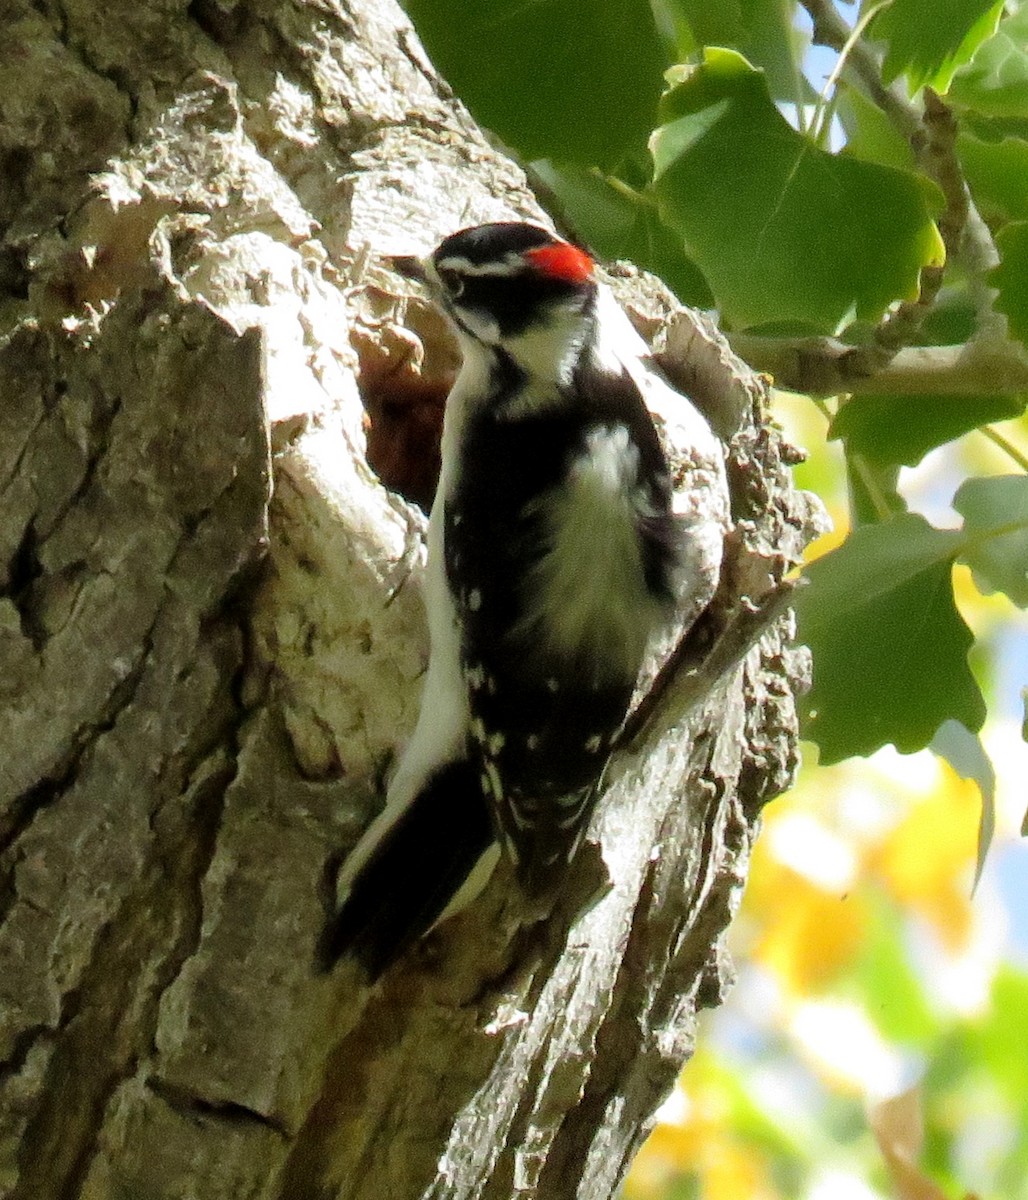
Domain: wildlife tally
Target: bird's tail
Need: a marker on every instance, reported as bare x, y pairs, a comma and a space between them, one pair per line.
416, 865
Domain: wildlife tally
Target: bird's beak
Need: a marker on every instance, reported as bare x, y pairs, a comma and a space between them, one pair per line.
408, 266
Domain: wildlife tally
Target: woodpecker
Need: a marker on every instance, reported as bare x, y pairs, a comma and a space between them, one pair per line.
552, 559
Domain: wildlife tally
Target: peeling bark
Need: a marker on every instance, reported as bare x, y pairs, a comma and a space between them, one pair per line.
203, 677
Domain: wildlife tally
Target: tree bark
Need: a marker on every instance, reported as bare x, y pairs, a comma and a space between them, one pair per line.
203, 676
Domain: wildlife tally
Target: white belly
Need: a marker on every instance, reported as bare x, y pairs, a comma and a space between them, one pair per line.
586, 597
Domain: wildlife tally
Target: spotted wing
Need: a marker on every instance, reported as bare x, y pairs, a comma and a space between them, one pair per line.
540, 751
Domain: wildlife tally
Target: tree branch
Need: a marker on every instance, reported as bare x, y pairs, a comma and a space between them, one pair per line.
827, 367
932, 136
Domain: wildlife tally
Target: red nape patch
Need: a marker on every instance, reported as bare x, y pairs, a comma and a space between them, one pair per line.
562, 261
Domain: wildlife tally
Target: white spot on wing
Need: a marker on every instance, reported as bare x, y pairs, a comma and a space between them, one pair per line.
520, 819
474, 599
495, 784
574, 815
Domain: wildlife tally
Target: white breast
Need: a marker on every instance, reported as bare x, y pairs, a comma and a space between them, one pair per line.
586, 596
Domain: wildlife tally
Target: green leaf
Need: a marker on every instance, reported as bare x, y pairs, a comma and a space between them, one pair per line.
929, 46
902, 429
619, 223
997, 1040
762, 30
724, 23
784, 1132
995, 82
782, 230
995, 512
777, 45
889, 647
870, 135
964, 752
890, 990
1010, 278
998, 175
574, 80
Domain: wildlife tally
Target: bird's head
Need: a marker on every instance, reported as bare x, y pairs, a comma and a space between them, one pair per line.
512, 288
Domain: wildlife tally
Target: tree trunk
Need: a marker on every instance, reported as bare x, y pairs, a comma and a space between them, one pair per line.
203, 676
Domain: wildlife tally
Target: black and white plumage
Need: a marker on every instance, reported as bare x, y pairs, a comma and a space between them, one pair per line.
552, 558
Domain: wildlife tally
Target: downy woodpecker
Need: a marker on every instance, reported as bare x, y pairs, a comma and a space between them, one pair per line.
552, 553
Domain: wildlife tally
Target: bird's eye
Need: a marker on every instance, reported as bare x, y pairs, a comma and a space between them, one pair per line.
452, 280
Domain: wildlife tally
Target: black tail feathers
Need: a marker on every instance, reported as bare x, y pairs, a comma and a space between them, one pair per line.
413, 873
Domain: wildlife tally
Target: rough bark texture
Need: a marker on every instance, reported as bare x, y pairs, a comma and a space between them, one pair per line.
203, 678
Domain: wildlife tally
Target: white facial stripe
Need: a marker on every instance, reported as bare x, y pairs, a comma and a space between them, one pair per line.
464, 266
478, 323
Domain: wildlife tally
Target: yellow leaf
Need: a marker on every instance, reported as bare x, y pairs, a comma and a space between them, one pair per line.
733, 1171
813, 936
694, 1138
927, 861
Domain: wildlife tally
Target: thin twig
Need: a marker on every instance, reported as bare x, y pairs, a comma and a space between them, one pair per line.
832, 31
1006, 446
818, 124
939, 159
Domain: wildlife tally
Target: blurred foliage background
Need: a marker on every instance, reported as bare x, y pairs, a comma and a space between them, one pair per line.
867, 969
846, 186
